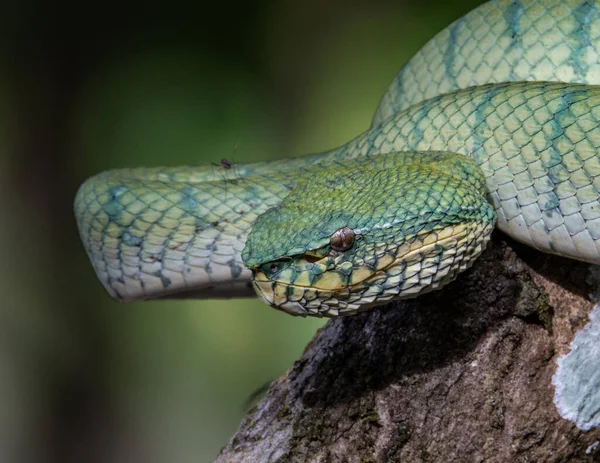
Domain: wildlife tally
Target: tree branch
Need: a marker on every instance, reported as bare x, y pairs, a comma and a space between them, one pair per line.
462, 374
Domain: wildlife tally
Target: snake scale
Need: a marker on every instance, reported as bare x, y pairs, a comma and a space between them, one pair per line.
495, 121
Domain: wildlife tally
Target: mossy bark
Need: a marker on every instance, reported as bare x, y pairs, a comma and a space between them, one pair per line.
462, 374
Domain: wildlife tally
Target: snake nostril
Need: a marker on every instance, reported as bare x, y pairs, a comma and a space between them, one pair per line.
271, 268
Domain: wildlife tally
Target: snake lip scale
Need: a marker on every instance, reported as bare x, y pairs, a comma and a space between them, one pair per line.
494, 122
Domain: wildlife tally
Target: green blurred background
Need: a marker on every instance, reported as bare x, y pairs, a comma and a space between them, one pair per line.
85, 88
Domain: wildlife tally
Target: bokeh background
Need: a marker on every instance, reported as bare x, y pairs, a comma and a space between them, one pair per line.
88, 87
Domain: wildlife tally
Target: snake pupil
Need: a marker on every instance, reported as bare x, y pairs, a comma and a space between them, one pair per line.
342, 239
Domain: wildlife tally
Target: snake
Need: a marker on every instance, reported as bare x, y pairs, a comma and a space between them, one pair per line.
494, 123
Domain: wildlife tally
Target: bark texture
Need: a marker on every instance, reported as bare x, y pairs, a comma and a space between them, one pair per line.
460, 375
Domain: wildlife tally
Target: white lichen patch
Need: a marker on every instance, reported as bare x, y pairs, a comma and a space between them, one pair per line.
577, 379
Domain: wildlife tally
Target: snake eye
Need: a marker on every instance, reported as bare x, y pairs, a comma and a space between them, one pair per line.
342, 239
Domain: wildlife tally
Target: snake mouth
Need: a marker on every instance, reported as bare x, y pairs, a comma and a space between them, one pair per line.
326, 288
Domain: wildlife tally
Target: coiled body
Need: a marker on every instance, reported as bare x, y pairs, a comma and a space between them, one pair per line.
511, 85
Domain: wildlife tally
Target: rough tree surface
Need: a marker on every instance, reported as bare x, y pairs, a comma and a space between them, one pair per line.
459, 375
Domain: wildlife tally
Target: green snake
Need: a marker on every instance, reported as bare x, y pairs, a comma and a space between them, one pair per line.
495, 121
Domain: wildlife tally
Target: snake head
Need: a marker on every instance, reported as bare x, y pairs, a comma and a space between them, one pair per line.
385, 227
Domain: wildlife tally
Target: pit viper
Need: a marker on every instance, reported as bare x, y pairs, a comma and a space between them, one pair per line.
494, 122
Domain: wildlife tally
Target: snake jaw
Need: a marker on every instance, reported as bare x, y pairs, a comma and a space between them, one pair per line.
424, 263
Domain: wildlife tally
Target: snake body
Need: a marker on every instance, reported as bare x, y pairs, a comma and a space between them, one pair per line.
495, 120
